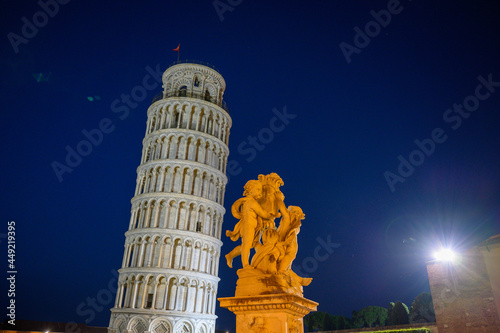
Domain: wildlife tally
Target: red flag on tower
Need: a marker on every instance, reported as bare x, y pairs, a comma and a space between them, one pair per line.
178, 49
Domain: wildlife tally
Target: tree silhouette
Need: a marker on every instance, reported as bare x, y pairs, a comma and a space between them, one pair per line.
400, 314
309, 325
370, 316
390, 314
328, 324
341, 325
422, 309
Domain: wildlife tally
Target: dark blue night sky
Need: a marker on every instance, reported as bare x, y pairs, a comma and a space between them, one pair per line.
426, 76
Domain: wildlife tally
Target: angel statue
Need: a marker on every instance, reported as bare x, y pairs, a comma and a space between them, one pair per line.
250, 213
279, 247
269, 270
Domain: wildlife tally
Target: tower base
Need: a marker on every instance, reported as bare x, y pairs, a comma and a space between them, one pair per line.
277, 313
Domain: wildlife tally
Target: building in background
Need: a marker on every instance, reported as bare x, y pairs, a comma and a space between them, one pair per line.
466, 293
169, 275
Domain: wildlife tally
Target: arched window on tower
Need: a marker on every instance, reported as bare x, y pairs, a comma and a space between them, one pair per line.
122, 305
207, 96
131, 258
183, 91
196, 82
175, 119
149, 301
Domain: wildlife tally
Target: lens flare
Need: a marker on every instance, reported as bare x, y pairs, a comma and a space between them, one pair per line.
445, 255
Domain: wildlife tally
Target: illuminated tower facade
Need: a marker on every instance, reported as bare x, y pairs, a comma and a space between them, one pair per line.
169, 275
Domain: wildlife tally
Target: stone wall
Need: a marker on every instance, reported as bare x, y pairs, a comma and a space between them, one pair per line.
463, 295
431, 326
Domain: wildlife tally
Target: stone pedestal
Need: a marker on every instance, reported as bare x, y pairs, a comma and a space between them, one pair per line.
276, 313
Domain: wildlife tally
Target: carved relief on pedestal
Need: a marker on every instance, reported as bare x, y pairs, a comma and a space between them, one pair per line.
259, 325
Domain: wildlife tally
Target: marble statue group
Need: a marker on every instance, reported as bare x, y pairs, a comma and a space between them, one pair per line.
270, 268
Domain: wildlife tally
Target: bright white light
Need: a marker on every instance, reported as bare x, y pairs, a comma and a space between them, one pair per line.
445, 255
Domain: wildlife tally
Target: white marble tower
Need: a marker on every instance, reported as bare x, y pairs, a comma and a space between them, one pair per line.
168, 279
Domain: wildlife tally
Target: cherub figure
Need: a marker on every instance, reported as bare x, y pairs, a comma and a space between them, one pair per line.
271, 196
288, 230
250, 213
269, 252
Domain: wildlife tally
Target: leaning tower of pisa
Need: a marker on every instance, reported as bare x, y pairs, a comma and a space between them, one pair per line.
168, 278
